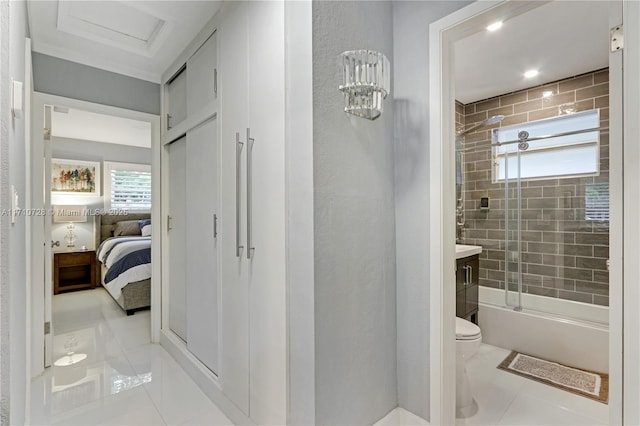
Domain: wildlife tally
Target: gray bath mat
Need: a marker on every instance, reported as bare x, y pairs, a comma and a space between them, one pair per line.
582, 382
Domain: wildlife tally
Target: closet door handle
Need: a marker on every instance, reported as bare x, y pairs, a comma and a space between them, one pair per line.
215, 226
250, 142
215, 81
239, 146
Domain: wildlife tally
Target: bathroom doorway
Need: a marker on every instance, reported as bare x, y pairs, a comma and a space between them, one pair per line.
499, 206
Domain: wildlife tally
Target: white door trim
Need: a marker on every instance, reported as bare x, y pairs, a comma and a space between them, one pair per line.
28, 91
36, 260
631, 201
617, 136
442, 35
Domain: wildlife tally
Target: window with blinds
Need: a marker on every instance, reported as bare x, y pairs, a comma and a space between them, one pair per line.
596, 202
127, 186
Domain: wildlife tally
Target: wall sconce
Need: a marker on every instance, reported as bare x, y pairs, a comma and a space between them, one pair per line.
70, 215
366, 82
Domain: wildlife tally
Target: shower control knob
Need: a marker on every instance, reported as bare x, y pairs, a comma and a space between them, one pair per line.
523, 135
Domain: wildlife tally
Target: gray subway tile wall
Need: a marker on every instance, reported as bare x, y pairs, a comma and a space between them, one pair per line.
563, 254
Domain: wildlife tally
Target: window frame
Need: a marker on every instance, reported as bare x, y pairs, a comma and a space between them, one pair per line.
109, 166
498, 157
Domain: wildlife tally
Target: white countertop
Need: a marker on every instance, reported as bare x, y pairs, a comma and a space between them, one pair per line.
466, 251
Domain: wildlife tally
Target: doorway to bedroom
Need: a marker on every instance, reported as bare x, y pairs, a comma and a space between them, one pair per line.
99, 179
98, 175
97, 198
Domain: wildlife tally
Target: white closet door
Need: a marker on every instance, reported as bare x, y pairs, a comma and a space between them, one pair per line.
268, 350
177, 237
202, 87
234, 304
202, 253
177, 100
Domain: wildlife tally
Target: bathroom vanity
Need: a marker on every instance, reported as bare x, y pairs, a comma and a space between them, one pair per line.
467, 272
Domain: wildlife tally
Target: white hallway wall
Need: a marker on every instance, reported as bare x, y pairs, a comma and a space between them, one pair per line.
13, 290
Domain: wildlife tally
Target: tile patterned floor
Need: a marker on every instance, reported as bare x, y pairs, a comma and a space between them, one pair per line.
124, 379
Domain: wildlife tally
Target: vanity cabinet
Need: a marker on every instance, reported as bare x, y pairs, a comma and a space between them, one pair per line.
467, 271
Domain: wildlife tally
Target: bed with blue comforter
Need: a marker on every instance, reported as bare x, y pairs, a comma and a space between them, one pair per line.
126, 270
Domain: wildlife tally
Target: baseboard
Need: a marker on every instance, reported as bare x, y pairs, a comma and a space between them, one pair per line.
400, 416
204, 378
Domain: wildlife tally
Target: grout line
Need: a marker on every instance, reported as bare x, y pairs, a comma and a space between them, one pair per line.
135, 370
504, 412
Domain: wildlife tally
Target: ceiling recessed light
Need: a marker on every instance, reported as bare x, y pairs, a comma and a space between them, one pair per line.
531, 73
495, 26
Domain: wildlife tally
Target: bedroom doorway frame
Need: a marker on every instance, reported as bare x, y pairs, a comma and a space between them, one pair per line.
625, 207
35, 248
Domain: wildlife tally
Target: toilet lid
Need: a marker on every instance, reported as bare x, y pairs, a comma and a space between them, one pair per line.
466, 330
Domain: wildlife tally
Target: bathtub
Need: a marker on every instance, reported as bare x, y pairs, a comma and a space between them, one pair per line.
571, 333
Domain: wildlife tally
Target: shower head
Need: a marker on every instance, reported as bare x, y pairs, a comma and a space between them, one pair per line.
493, 120
488, 122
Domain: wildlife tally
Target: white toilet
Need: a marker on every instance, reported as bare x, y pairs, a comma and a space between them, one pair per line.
468, 339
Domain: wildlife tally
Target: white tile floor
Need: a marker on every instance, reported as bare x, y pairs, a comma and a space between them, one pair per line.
507, 399
124, 379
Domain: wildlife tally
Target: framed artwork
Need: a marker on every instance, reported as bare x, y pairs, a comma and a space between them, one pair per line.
75, 177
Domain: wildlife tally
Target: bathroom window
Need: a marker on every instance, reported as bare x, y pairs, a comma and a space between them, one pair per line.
596, 202
559, 156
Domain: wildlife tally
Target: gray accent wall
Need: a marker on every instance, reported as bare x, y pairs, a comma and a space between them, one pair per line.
73, 80
355, 273
411, 146
77, 149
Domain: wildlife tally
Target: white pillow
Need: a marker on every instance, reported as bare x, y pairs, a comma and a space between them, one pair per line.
146, 230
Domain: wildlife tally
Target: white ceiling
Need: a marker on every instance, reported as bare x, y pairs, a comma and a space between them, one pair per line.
136, 38
83, 125
560, 39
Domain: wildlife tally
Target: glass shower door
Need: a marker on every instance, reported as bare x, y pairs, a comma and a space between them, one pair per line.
554, 174
510, 170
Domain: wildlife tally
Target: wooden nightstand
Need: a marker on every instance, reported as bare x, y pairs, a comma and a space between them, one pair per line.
74, 270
